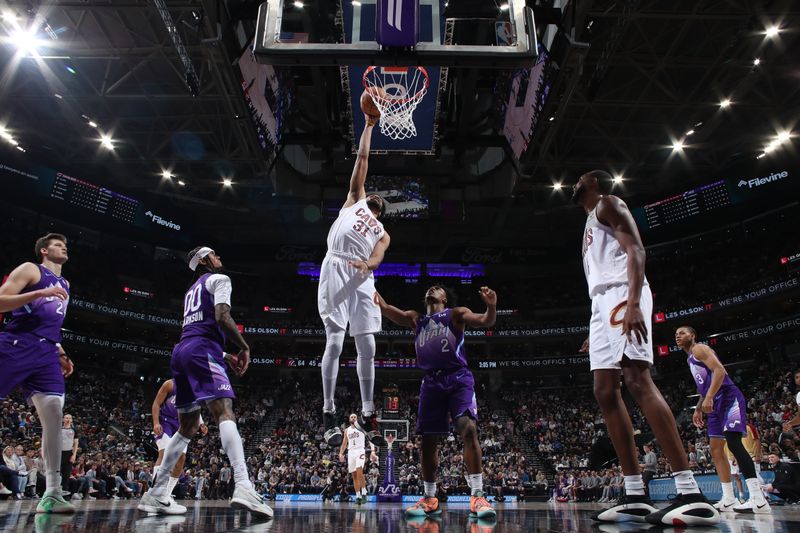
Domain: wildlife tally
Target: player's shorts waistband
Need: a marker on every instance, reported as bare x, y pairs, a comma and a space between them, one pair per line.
444, 371
343, 255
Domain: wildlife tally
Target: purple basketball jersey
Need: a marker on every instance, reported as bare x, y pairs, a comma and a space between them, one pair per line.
168, 416
42, 317
198, 314
438, 343
702, 377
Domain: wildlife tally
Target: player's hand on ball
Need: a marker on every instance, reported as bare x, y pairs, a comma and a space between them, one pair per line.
488, 296
708, 405
371, 120
633, 322
54, 291
157, 430
697, 419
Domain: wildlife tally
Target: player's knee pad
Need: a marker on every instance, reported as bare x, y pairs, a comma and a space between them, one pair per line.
334, 342
365, 345
743, 459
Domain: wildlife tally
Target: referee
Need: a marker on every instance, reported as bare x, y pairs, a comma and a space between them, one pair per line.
69, 450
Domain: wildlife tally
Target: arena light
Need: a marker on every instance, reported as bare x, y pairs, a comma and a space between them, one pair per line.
503, 7
25, 41
227, 182
106, 141
92, 123
784, 136
756, 62
690, 132
167, 175
9, 16
677, 146
772, 31
181, 183
298, 5
557, 186
618, 179
725, 103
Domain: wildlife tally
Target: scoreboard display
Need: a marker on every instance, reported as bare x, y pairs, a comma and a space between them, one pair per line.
391, 401
99, 200
687, 205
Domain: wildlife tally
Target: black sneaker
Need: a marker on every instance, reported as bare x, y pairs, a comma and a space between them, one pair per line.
333, 434
686, 510
633, 508
370, 427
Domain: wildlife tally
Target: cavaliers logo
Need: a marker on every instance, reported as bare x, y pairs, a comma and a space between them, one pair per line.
615, 319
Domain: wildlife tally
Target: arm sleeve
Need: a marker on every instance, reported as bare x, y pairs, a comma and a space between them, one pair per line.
220, 286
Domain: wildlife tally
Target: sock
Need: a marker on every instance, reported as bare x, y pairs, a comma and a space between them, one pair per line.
171, 485
175, 448
727, 491
685, 482
232, 444
634, 485
364, 491
754, 488
430, 489
334, 341
365, 365
50, 409
475, 482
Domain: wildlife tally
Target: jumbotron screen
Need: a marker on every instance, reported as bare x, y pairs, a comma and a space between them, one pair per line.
405, 197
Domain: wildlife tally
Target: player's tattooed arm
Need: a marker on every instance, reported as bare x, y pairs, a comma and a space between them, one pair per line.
376, 257
464, 315
398, 316
359, 176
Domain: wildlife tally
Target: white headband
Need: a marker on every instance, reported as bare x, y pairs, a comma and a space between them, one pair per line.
198, 256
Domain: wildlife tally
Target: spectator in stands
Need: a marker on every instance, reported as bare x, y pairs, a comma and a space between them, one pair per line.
786, 485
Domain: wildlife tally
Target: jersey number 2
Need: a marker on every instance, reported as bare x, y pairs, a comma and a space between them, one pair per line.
445, 345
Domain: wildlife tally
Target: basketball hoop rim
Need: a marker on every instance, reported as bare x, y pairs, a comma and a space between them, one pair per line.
417, 96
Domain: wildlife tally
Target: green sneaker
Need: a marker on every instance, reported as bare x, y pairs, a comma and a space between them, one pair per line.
53, 502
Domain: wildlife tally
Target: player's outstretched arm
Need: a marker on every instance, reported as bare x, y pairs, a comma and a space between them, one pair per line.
158, 401
465, 315
398, 316
359, 176
376, 257
615, 213
22, 276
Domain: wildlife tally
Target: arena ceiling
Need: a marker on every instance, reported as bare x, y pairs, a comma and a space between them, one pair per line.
654, 71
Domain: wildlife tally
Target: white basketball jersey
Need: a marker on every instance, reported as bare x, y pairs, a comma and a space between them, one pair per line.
355, 440
355, 233
604, 261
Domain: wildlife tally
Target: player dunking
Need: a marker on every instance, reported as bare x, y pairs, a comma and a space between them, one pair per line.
356, 457
613, 261
356, 246
726, 408
31, 355
198, 370
448, 388
165, 423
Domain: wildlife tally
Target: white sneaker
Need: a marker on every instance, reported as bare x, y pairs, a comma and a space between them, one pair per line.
151, 504
4, 491
250, 500
755, 507
725, 506
77, 496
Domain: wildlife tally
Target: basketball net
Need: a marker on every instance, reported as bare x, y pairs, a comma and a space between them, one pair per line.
404, 88
390, 440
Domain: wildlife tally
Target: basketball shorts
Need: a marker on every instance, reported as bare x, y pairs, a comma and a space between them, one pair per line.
345, 296
355, 460
729, 414
444, 396
198, 368
31, 363
607, 344
162, 441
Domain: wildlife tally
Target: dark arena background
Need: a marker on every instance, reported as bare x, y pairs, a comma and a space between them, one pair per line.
143, 129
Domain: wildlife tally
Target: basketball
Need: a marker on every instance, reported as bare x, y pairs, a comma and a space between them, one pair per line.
368, 104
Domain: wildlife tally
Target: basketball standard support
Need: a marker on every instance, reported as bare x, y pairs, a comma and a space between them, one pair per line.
269, 50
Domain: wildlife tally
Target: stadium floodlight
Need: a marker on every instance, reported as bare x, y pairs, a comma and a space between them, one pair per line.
106, 142
677, 146
772, 31
227, 182
725, 103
